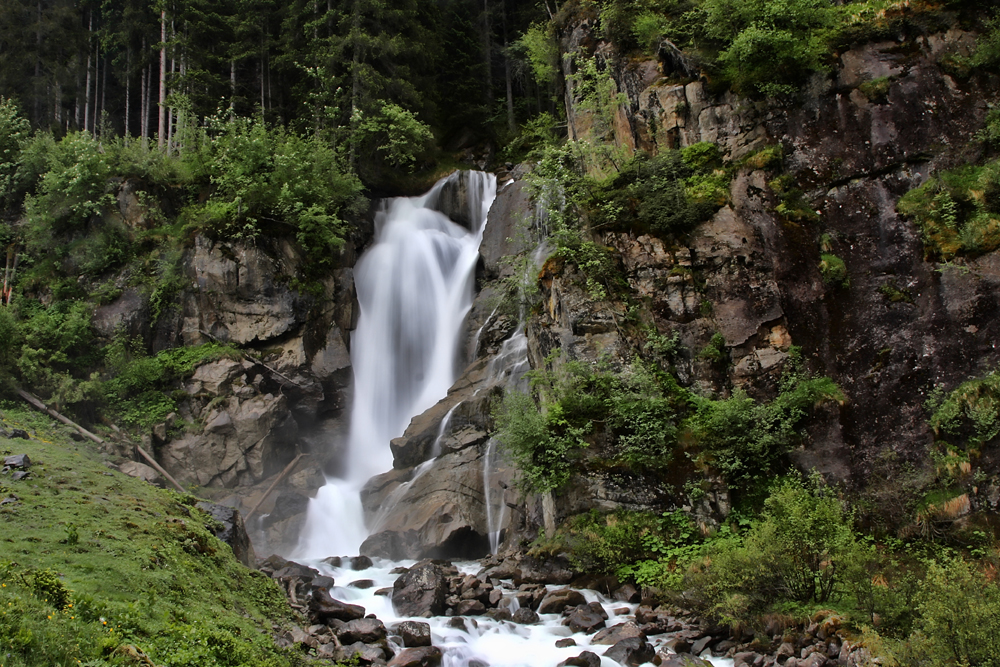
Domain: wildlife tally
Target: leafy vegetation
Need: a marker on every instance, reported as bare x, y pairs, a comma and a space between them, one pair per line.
958, 211
105, 569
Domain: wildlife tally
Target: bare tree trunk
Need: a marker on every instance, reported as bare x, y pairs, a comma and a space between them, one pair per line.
170, 108
58, 104
86, 95
511, 123
144, 99
104, 89
161, 130
232, 86
38, 62
128, 87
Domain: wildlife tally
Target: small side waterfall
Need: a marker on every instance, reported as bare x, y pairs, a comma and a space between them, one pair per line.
415, 288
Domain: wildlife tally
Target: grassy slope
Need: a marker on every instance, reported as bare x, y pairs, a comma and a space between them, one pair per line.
145, 575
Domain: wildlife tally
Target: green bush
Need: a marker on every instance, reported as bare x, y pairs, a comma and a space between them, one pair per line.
797, 552
833, 270
14, 133
957, 211
970, 413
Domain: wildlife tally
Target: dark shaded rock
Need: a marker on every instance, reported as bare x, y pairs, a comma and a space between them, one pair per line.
723, 647
9, 500
585, 659
333, 561
462, 623
702, 644
414, 633
365, 654
364, 630
616, 633
548, 571
744, 658
584, 619
384, 591
632, 652
564, 643
680, 660
423, 656
362, 584
286, 505
556, 601
499, 614
359, 563
16, 433
470, 608
293, 570
524, 616
17, 461
324, 608
627, 593
322, 582
233, 531
421, 591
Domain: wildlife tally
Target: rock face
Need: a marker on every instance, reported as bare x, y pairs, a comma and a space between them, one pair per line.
232, 531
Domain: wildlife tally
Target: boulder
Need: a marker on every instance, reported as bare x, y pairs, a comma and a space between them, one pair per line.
565, 642
556, 601
524, 616
584, 619
232, 531
366, 655
140, 471
359, 563
631, 652
745, 658
470, 608
680, 660
423, 656
616, 633
421, 591
533, 570
324, 608
700, 645
414, 633
585, 659
19, 433
17, 461
362, 584
364, 630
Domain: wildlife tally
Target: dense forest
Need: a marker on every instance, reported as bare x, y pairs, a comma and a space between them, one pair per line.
188, 184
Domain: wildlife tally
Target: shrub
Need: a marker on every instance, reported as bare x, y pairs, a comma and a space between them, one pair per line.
833, 270
14, 133
971, 412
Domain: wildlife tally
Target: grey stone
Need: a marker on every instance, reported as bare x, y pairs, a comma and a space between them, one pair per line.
423, 656
421, 591
325, 609
364, 630
556, 601
631, 652
414, 633
17, 461
614, 634
140, 471
524, 616
585, 659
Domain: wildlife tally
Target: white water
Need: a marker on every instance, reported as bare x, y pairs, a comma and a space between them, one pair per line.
495, 643
415, 288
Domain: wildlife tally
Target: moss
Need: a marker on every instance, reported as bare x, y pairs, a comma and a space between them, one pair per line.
98, 565
834, 270
876, 90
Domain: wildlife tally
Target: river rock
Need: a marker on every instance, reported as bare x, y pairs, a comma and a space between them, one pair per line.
359, 563
585, 659
585, 619
324, 608
414, 633
322, 581
470, 608
362, 584
533, 570
524, 616
556, 601
745, 658
424, 656
632, 652
700, 645
565, 642
232, 531
679, 660
365, 653
421, 591
616, 633
364, 630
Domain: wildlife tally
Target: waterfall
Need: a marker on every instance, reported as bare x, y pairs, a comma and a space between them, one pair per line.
415, 288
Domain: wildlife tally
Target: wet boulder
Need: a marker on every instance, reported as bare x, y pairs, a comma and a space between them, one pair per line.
586, 619
631, 652
524, 616
421, 591
414, 633
616, 633
359, 563
366, 655
423, 656
470, 608
323, 608
533, 570
364, 630
680, 660
585, 659
556, 601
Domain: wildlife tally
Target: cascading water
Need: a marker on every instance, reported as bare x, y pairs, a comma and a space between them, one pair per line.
415, 288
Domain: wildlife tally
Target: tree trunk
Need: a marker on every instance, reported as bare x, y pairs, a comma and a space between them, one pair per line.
511, 123
38, 63
128, 87
104, 89
161, 129
232, 86
144, 100
86, 94
488, 51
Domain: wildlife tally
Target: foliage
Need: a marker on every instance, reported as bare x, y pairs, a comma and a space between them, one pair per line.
13, 135
715, 350
144, 576
797, 552
958, 211
746, 440
136, 390
395, 133
833, 270
542, 50
970, 413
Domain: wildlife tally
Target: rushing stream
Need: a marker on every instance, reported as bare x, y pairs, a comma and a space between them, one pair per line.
415, 288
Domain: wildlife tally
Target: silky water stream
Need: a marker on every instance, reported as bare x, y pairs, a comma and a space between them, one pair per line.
415, 288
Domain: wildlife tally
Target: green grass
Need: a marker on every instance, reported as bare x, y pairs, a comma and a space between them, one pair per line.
137, 571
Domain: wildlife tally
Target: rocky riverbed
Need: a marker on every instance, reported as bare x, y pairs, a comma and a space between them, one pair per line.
516, 611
